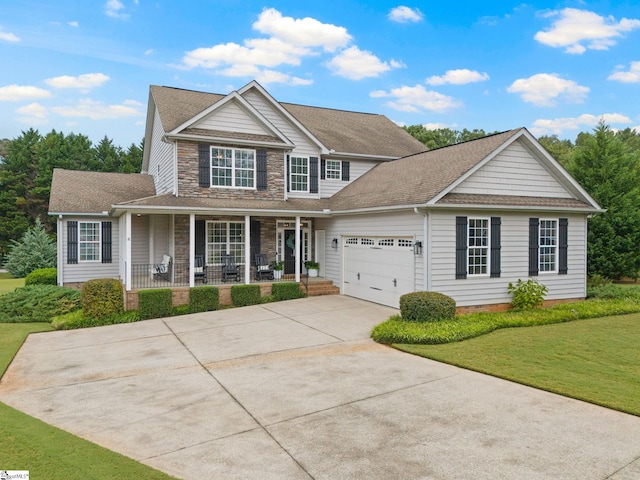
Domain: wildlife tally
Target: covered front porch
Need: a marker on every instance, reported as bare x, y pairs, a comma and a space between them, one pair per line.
167, 250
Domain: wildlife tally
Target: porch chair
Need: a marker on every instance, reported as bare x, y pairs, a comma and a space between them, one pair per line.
200, 269
163, 270
229, 268
263, 269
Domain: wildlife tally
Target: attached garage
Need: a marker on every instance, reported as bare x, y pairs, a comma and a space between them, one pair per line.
378, 269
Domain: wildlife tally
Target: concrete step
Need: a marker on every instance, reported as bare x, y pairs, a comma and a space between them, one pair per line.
322, 288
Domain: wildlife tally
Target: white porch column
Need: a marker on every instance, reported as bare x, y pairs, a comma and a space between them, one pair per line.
192, 248
247, 249
298, 249
127, 248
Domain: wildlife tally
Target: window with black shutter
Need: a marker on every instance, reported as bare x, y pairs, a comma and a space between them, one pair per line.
313, 174
106, 242
534, 224
461, 247
563, 243
346, 166
261, 169
204, 165
495, 247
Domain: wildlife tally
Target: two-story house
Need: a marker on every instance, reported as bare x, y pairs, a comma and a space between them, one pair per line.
243, 174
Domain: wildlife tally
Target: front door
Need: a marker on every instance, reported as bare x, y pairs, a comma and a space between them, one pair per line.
289, 251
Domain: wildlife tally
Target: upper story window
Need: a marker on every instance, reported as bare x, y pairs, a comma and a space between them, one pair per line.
299, 174
89, 241
333, 170
478, 246
233, 167
548, 245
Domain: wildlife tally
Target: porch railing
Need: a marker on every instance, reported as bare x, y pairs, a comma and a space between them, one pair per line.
144, 276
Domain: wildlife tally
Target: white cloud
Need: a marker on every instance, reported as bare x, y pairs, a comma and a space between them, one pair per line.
415, 99
631, 76
85, 82
578, 30
113, 9
150, 51
9, 37
460, 76
544, 89
404, 14
32, 114
96, 110
558, 125
302, 32
18, 93
356, 64
73, 24
438, 126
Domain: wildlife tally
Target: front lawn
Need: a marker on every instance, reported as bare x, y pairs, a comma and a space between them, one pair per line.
593, 360
8, 283
48, 452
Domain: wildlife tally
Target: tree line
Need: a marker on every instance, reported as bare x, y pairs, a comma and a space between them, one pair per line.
26, 169
604, 161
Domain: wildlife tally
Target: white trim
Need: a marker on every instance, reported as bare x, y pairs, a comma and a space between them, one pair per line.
255, 85
298, 249
247, 249
236, 141
127, 248
192, 248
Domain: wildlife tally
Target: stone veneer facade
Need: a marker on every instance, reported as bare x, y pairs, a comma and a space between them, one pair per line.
188, 175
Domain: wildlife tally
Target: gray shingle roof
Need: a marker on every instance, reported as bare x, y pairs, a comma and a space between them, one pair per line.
416, 179
76, 191
513, 200
339, 130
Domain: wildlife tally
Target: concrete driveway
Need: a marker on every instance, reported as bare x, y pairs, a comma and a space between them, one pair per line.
296, 390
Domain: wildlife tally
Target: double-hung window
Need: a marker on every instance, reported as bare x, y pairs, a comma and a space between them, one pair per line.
548, 241
89, 241
299, 174
233, 167
333, 170
225, 238
478, 246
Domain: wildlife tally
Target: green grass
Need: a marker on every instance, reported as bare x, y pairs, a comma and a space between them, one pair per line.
594, 360
8, 283
48, 452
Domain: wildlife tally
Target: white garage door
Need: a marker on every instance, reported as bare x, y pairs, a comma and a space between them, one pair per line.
378, 269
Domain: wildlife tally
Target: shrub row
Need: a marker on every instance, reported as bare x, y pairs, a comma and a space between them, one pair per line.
102, 298
37, 303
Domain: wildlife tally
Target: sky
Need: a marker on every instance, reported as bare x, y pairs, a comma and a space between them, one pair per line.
556, 68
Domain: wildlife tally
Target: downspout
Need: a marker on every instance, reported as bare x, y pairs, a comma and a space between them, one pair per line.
426, 251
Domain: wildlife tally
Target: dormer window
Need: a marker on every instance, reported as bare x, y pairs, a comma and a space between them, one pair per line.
233, 167
333, 170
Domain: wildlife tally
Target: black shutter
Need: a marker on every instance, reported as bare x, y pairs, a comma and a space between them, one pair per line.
201, 246
495, 247
254, 239
534, 225
261, 170
345, 171
288, 171
204, 165
72, 241
323, 169
313, 174
106, 242
563, 242
461, 247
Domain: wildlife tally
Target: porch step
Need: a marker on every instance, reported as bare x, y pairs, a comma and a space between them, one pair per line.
322, 287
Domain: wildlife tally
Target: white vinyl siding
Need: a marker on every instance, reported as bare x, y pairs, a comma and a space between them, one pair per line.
514, 255
161, 159
139, 239
231, 117
513, 172
83, 271
329, 187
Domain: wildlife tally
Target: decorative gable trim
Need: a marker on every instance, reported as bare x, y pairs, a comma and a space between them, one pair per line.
255, 85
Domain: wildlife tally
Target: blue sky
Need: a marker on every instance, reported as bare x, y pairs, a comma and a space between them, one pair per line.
553, 67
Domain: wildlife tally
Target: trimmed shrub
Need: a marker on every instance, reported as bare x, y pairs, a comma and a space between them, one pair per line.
42, 276
427, 307
155, 303
243, 295
527, 295
37, 303
286, 291
102, 298
204, 299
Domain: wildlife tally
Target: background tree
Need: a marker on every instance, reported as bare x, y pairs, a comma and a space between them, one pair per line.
443, 137
36, 249
559, 149
609, 169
